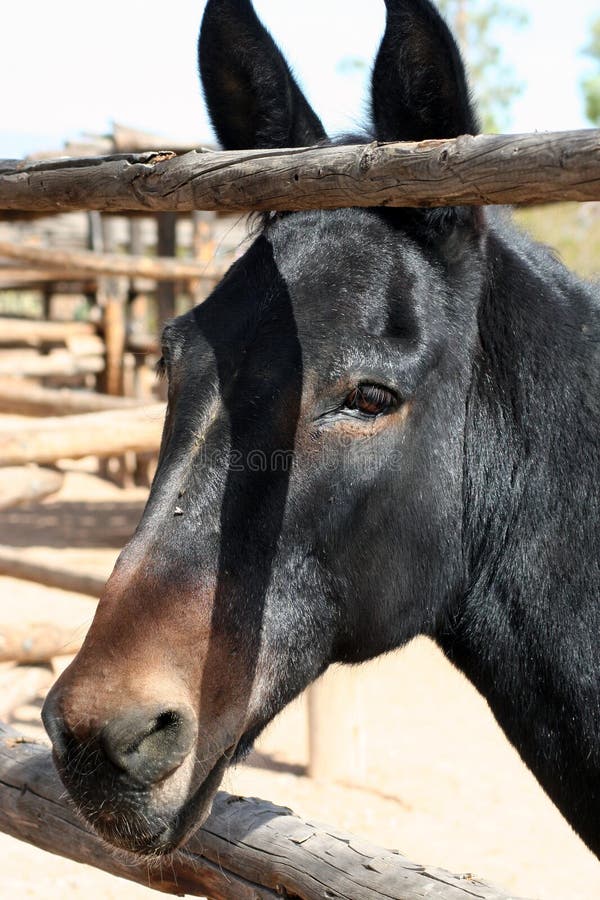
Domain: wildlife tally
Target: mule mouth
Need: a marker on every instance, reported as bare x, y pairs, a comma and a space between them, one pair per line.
138, 825
192, 815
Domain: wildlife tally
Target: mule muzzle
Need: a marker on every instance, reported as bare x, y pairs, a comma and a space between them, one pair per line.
134, 775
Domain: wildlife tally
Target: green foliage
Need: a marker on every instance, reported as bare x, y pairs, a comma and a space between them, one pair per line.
593, 48
493, 81
591, 84
591, 90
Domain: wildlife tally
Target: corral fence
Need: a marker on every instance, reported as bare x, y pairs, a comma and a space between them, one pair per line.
248, 848
480, 171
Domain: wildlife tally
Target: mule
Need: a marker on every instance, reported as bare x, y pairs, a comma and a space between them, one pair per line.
381, 424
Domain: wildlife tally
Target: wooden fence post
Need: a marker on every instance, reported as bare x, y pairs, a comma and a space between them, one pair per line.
336, 736
203, 244
167, 246
112, 293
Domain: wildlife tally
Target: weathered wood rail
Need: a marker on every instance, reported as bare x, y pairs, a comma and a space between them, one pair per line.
91, 434
86, 263
30, 364
16, 562
34, 332
21, 277
247, 848
24, 484
30, 682
480, 170
37, 643
26, 399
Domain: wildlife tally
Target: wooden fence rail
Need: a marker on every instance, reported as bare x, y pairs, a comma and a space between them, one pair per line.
92, 434
17, 562
27, 484
37, 643
247, 848
34, 332
86, 263
481, 170
27, 399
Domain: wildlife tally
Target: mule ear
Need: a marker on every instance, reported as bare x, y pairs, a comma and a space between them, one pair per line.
419, 86
252, 97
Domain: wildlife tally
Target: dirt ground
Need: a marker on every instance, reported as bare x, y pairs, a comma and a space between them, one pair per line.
438, 779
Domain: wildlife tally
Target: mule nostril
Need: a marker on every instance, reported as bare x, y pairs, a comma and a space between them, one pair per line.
149, 744
167, 720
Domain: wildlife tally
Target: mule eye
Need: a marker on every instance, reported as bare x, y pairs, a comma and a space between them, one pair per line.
370, 400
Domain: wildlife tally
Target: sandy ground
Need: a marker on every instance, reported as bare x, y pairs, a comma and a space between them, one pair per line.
438, 780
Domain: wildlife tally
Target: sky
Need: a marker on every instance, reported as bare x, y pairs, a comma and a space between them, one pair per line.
69, 68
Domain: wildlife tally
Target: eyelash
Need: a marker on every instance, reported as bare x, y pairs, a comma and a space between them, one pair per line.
161, 369
370, 400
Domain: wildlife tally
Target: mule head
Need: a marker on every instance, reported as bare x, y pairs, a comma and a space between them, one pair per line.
307, 505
